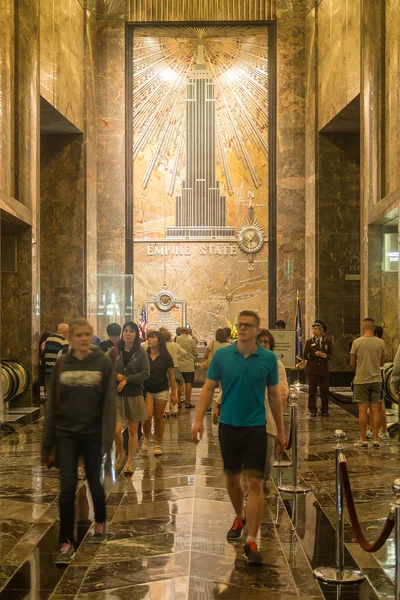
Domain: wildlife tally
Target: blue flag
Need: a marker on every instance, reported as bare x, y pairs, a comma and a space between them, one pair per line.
299, 333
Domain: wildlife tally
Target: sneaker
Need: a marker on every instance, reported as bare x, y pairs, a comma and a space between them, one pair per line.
312, 413
235, 531
66, 554
370, 434
252, 554
361, 444
384, 436
376, 445
100, 534
145, 446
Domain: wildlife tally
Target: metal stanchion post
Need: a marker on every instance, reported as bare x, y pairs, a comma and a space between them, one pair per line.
339, 574
396, 507
294, 488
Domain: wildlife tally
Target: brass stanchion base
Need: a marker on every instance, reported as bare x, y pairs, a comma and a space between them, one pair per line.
336, 576
294, 489
283, 464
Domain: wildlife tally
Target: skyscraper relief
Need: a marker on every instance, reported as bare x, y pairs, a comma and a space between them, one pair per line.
200, 209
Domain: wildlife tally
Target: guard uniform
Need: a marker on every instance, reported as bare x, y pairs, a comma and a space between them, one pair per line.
317, 369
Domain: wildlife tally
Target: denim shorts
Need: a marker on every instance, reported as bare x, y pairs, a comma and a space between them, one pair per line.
367, 392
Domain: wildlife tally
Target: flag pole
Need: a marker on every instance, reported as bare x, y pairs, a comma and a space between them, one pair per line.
297, 383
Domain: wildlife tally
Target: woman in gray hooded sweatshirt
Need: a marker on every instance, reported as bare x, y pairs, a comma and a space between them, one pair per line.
80, 420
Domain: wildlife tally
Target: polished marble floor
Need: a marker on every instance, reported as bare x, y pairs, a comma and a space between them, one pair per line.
168, 523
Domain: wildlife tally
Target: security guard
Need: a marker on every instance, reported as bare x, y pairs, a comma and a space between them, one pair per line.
318, 352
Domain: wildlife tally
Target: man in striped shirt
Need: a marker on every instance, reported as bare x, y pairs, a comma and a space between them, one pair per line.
56, 342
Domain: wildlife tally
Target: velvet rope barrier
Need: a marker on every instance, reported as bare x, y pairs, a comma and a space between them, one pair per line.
363, 542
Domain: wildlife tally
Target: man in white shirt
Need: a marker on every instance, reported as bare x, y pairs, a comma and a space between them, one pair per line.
367, 355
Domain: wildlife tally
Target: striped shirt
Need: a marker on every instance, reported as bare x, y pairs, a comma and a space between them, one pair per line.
54, 344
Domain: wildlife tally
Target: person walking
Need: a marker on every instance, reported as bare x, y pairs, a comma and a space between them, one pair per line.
53, 345
267, 341
80, 420
318, 353
245, 369
114, 337
175, 351
186, 363
157, 389
367, 356
132, 368
383, 434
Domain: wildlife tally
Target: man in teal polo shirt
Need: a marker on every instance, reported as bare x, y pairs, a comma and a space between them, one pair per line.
245, 369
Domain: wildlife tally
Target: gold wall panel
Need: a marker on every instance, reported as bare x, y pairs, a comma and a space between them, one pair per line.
210, 10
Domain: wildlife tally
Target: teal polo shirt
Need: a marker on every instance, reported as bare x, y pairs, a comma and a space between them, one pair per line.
243, 383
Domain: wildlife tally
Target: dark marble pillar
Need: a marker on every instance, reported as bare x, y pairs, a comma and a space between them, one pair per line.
62, 196
338, 211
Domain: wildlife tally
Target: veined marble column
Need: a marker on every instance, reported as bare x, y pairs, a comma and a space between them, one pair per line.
392, 96
7, 97
311, 161
371, 131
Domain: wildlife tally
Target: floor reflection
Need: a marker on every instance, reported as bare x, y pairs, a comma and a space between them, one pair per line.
168, 523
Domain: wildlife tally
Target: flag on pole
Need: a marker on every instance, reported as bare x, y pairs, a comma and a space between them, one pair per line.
143, 322
299, 332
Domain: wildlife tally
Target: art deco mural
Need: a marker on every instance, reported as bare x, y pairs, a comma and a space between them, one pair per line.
200, 161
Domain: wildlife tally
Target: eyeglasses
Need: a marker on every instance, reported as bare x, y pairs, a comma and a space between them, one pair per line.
245, 325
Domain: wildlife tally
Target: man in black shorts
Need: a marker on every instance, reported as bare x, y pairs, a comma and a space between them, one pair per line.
245, 369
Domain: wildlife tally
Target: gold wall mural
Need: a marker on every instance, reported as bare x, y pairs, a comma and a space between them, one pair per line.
200, 168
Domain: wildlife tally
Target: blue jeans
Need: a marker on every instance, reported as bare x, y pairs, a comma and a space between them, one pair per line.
69, 449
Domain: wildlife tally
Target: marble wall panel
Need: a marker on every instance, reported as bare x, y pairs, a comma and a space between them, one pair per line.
338, 56
7, 66
62, 229
338, 238
62, 57
290, 156
110, 124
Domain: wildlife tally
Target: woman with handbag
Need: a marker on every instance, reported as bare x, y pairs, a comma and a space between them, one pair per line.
80, 420
132, 368
157, 389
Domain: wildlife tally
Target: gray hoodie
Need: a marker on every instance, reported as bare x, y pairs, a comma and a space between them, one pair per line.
85, 403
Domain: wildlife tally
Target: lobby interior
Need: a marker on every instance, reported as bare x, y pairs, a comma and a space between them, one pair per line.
99, 217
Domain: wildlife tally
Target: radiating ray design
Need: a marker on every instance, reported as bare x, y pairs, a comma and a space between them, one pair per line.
162, 62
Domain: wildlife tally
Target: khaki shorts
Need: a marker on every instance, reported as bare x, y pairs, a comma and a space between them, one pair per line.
367, 392
163, 396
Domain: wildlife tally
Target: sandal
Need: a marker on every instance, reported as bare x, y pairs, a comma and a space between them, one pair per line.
189, 405
128, 469
157, 451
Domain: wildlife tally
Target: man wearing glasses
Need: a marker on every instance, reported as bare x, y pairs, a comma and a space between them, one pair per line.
245, 369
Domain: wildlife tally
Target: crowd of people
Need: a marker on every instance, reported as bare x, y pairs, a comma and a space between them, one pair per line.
93, 388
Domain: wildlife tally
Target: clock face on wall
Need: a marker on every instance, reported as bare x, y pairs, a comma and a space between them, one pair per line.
164, 300
251, 238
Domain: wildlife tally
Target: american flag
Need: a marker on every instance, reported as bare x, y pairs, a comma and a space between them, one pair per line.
143, 322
